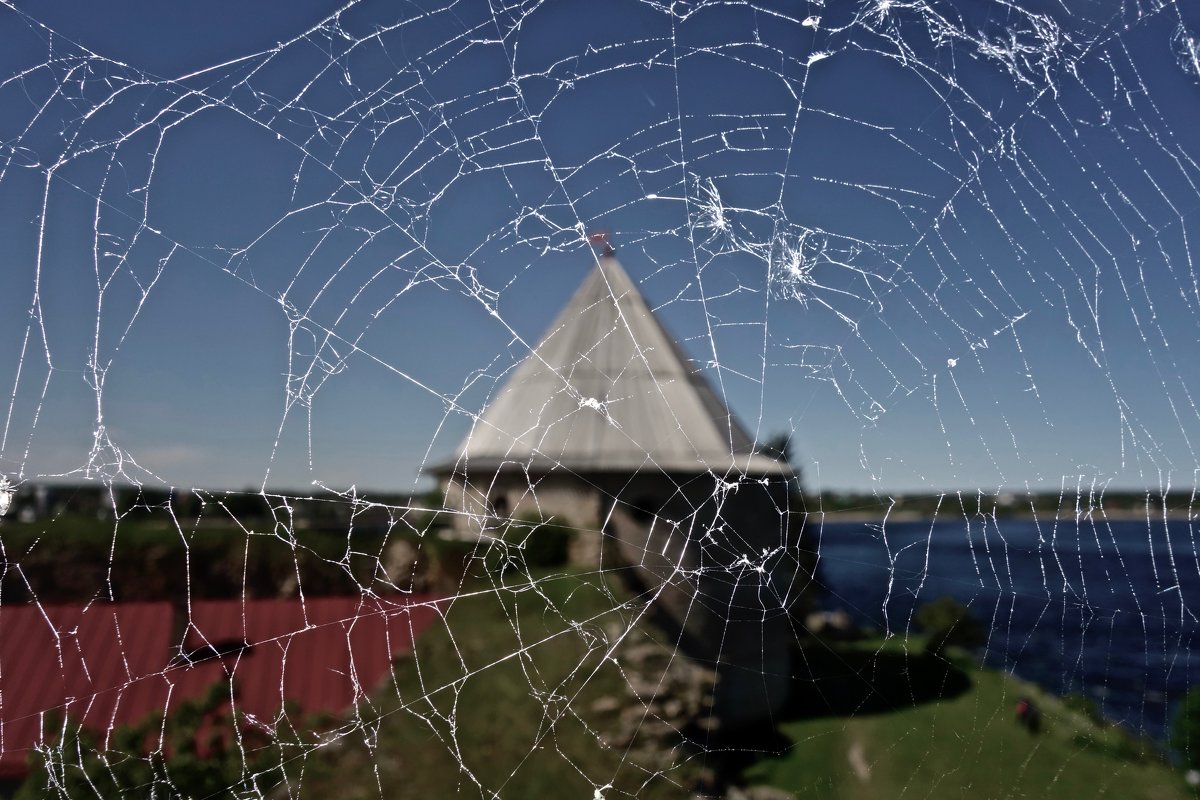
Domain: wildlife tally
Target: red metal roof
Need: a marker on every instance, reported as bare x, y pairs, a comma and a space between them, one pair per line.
113, 664
322, 654
84, 661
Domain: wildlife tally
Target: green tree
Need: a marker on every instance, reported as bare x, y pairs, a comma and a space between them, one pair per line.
779, 447
531, 543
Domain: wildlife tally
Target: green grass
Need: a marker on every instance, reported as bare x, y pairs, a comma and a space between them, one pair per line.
968, 746
498, 702
498, 697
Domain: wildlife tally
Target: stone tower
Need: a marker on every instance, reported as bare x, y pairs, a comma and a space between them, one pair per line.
606, 427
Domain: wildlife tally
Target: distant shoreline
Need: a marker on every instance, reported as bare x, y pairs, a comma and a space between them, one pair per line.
1094, 515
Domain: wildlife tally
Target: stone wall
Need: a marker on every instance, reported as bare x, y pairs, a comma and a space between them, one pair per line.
717, 560
720, 561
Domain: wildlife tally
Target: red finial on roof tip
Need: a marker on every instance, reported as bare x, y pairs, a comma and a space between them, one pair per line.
600, 239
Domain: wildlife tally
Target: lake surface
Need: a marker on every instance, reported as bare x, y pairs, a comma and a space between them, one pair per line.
1101, 608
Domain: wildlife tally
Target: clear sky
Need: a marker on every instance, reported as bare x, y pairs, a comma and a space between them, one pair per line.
947, 245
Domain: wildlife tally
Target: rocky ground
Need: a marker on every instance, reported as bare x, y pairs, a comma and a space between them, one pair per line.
663, 719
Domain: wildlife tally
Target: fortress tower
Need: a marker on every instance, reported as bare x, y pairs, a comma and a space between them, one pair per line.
606, 427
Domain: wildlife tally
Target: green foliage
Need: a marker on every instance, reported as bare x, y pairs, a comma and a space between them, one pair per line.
432, 517
148, 555
202, 750
778, 446
949, 624
1185, 730
529, 543
451, 559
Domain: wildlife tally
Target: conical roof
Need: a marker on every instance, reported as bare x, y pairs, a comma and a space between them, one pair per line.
607, 389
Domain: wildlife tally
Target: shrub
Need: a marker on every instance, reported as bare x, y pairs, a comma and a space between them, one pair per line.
201, 749
529, 543
949, 624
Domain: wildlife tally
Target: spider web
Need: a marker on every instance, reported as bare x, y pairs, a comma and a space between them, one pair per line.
945, 249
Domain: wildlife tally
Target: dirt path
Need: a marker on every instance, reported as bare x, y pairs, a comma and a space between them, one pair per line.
858, 762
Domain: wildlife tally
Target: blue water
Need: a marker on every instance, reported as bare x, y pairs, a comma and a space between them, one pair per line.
1108, 609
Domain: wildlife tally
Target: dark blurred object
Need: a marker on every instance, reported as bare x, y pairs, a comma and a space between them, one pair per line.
1028, 715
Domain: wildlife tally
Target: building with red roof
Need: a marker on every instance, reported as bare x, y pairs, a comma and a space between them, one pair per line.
105, 665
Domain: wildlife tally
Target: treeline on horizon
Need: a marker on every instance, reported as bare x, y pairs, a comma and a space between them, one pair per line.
1005, 504
37, 501
79, 543
62, 543
375, 511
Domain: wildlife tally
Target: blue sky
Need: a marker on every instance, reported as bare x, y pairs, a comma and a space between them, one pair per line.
949, 246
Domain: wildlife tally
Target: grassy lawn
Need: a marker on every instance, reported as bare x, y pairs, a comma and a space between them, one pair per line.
966, 746
498, 699
498, 702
